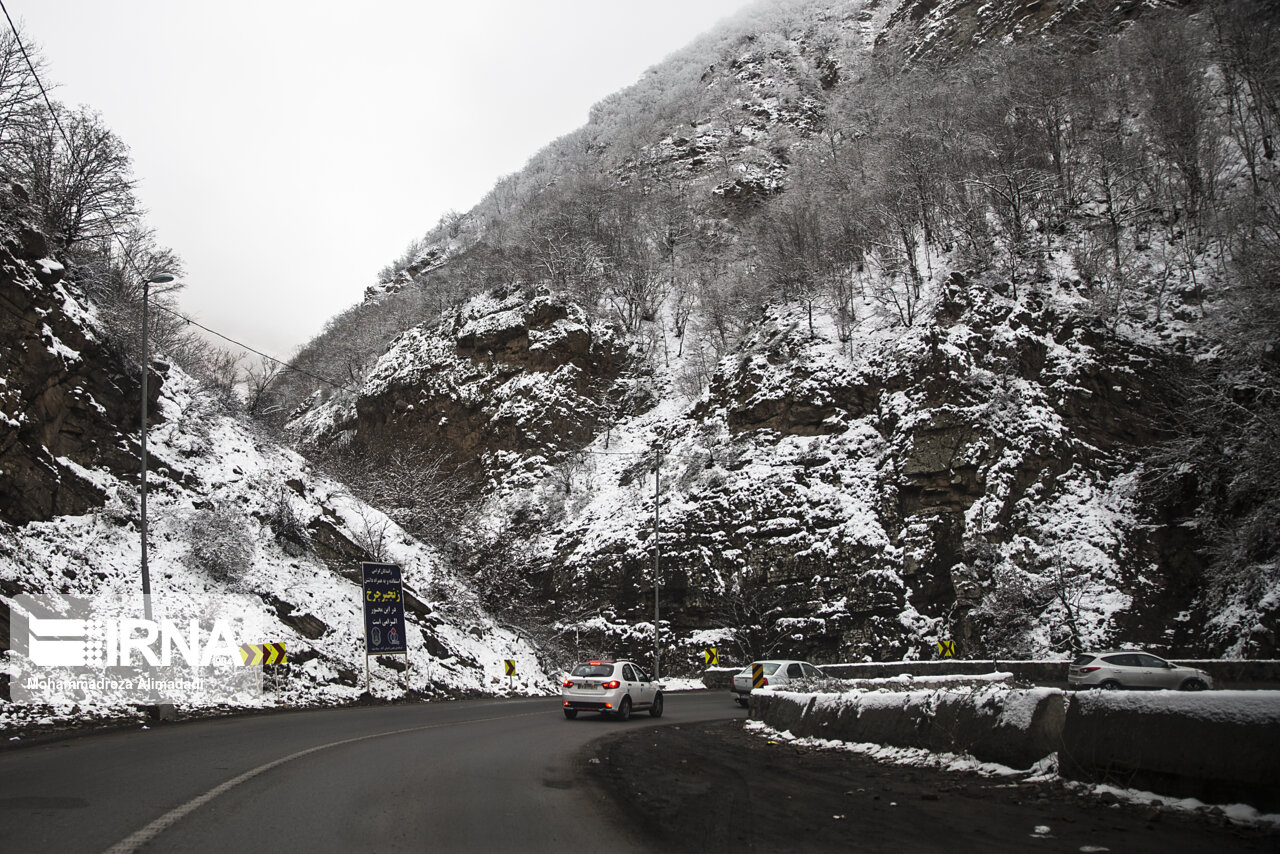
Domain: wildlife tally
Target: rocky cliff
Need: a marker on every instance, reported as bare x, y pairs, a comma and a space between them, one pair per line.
872, 296
65, 404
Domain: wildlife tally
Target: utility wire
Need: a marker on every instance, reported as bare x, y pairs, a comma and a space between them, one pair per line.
53, 113
244, 346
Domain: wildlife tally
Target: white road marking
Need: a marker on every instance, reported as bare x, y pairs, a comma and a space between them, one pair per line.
134, 841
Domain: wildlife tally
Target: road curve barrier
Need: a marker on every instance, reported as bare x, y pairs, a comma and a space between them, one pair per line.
993, 722
1217, 746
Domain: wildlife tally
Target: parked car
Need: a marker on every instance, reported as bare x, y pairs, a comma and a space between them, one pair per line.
614, 688
1129, 668
775, 673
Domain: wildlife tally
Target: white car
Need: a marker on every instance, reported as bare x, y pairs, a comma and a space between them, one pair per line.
1132, 668
775, 673
614, 688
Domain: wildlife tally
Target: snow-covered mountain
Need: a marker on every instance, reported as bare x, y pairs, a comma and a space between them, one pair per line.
910, 305
231, 512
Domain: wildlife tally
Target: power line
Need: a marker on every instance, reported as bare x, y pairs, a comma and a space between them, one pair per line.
243, 346
128, 258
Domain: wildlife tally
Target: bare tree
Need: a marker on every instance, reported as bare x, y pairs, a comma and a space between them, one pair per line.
1248, 50
21, 103
259, 380
1170, 61
81, 183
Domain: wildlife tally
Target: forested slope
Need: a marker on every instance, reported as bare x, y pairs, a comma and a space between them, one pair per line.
941, 320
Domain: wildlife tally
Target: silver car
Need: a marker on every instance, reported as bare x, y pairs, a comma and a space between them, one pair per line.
775, 673
1129, 668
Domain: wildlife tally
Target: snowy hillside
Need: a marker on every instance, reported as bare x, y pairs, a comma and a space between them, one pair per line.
231, 514
934, 321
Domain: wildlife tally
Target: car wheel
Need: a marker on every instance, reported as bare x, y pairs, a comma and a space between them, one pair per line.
570, 713
624, 709
656, 709
1192, 685
1109, 685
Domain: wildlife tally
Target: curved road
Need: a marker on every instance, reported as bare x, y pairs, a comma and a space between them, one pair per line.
474, 775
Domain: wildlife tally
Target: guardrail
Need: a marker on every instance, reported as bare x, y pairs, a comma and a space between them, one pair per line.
1218, 746
1255, 671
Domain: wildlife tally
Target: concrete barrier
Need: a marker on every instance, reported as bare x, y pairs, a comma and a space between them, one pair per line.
1023, 671
994, 723
1217, 746
1259, 671
719, 678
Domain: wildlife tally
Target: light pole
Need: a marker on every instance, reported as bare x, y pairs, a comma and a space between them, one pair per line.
657, 481
154, 279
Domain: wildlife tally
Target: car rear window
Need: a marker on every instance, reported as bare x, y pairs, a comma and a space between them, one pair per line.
1083, 659
593, 670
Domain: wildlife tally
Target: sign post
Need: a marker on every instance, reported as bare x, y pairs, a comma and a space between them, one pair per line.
265, 655
510, 666
383, 616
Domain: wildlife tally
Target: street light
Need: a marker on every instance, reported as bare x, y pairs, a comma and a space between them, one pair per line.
154, 279
657, 552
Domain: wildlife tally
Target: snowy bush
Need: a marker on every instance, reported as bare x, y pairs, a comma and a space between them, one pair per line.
217, 543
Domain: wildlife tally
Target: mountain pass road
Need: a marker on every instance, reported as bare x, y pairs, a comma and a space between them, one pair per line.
473, 775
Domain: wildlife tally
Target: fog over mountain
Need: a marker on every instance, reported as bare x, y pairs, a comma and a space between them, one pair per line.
868, 324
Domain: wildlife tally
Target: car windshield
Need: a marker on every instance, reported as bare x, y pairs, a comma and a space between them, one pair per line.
595, 668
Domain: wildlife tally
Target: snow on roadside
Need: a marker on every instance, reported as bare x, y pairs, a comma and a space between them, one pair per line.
1044, 771
206, 466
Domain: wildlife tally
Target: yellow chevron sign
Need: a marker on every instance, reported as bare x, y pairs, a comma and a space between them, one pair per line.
711, 656
510, 666
258, 654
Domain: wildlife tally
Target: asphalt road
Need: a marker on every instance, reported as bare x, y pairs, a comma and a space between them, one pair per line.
476, 775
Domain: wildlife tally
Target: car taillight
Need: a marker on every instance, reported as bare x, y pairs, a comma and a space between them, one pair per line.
567, 683
1089, 669
611, 684
764, 681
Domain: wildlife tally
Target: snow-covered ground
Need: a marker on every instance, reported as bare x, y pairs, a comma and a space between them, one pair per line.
233, 515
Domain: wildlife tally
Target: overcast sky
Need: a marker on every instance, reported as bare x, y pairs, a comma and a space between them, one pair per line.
288, 150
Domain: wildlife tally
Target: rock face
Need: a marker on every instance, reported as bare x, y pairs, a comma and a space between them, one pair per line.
65, 405
961, 457
509, 379
866, 506
974, 478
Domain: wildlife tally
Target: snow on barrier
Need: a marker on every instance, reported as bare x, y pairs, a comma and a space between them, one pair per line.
1253, 671
1218, 746
985, 717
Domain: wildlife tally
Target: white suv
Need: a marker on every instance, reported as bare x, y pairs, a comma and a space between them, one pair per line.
1132, 668
610, 687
